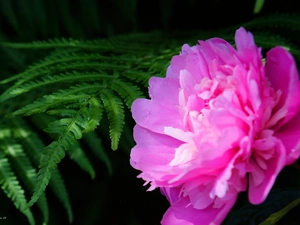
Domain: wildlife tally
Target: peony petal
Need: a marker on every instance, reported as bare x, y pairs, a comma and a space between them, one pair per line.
282, 72
152, 154
196, 64
187, 82
199, 197
289, 134
164, 91
182, 212
155, 117
257, 194
244, 40
178, 63
215, 119
221, 186
248, 52
217, 48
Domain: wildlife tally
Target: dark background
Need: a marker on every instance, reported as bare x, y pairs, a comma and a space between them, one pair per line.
118, 199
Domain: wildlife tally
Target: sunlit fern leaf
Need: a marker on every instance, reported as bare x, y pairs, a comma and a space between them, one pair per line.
63, 112
96, 146
95, 111
68, 129
78, 93
128, 91
64, 126
10, 186
88, 117
57, 185
77, 154
115, 113
33, 143
68, 77
52, 155
61, 67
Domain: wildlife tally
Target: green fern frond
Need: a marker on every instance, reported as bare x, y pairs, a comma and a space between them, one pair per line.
115, 113
31, 142
52, 155
128, 91
138, 76
57, 185
49, 63
25, 171
69, 77
10, 186
96, 146
95, 111
69, 129
77, 154
282, 20
77, 93
65, 126
95, 45
29, 139
268, 40
57, 43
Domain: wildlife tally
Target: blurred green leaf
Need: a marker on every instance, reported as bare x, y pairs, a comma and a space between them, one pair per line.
258, 6
275, 217
278, 203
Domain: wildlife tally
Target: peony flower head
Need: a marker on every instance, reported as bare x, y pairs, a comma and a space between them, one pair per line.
219, 122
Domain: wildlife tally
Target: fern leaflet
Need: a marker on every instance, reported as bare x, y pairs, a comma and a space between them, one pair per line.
10, 185
115, 113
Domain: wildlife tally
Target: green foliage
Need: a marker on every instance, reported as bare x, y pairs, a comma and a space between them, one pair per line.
278, 203
279, 20
258, 6
275, 217
74, 87
77, 88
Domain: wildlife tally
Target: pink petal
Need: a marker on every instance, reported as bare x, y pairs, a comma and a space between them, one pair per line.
247, 50
200, 198
257, 194
152, 154
289, 134
178, 63
187, 82
150, 142
244, 40
164, 91
217, 48
182, 212
282, 72
155, 117
221, 186
196, 64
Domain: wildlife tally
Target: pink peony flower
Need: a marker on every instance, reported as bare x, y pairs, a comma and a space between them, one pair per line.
220, 121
